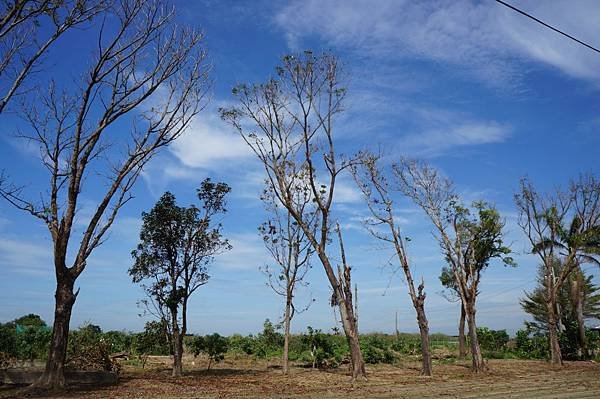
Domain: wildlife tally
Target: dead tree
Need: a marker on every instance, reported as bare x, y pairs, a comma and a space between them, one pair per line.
293, 114
290, 249
28, 28
372, 181
544, 220
146, 82
468, 242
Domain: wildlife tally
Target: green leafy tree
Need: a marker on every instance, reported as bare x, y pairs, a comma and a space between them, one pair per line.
177, 244
564, 224
214, 346
534, 303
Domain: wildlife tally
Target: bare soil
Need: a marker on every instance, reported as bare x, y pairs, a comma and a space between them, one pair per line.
244, 378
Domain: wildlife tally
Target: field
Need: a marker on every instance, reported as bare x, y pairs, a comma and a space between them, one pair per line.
237, 378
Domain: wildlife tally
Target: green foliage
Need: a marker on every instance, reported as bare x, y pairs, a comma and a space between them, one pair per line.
176, 246
323, 350
152, 341
8, 339
214, 346
118, 341
25, 338
531, 346
376, 349
492, 340
239, 344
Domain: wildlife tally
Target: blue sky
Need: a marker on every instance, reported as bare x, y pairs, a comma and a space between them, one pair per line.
481, 92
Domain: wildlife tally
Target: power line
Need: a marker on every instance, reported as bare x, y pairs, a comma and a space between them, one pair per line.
547, 26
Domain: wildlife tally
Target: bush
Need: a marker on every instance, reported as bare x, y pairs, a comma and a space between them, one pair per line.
492, 340
323, 350
531, 347
214, 346
377, 349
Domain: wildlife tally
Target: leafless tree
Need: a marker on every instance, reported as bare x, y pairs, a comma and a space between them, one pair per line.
146, 81
544, 220
292, 133
28, 28
290, 249
371, 178
467, 242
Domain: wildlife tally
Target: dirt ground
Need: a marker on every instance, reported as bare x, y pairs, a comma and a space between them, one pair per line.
260, 379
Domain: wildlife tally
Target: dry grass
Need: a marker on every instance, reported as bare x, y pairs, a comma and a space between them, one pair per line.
244, 378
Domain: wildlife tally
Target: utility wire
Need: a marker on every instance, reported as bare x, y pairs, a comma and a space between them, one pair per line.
547, 26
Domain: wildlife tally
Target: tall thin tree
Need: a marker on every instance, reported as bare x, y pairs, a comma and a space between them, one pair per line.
378, 193
290, 249
292, 134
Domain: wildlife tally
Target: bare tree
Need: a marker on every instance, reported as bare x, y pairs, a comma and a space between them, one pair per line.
543, 218
287, 243
293, 115
28, 28
373, 182
147, 72
468, 242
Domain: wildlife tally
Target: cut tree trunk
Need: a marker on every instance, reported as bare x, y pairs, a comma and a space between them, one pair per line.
286, 337
462, 339
477, 363
425, 348
53, 376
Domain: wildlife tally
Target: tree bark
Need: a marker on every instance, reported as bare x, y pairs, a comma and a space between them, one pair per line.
286, 337
425, 348
478, 365
577, 295
177, 345
462, 340
53, 376
349, 324
555, 355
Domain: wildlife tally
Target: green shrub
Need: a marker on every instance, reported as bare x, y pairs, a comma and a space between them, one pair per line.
492, 340
214, 346
377, 349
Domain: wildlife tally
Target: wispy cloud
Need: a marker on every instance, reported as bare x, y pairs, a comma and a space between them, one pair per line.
19, 256
480, 37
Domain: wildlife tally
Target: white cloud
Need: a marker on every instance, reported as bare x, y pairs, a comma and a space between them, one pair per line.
25, 257
483, 37
248, 252
439, 140
208, 142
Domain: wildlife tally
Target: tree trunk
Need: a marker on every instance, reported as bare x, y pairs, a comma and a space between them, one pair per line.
177, 345
349, 324
478, 365
53, 376
555, 355
424, 330
462, 340
577, 295
286, 337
